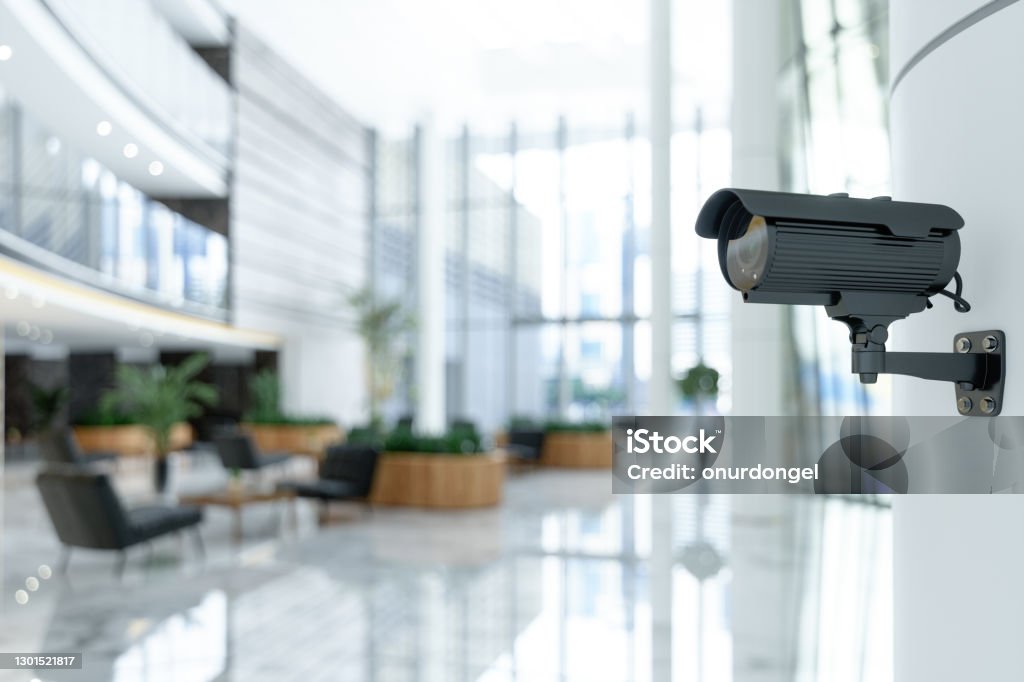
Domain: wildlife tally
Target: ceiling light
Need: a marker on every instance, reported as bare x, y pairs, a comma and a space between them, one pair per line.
24, 328
131, 150
5, 53
156, 168
34, 333
38, 301
104, 128
46, 337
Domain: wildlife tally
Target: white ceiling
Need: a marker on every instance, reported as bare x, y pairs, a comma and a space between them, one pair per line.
489, 62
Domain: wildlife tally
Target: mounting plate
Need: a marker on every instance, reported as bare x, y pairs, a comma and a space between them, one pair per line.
975, 401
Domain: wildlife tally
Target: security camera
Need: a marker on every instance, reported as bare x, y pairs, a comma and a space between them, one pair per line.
869, 262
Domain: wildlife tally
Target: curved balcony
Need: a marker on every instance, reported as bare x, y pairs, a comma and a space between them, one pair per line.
116, 81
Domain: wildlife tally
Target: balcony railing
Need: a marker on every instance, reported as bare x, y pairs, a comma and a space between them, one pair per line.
64, 212
135, 46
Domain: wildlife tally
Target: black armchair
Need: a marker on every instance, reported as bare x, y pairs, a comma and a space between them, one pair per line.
237, 451
525, 445
58, 446
346, 473
86, 512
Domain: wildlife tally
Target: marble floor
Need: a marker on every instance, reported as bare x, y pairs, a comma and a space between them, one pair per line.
563, 582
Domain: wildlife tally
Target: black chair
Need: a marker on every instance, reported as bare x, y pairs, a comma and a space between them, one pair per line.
58, 446
237, 451
525, 445
86, 512
346, 473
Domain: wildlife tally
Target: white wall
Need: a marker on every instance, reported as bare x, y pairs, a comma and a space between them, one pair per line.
958, 139
299, 229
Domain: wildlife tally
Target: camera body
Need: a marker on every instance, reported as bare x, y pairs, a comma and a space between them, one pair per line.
858, 257
869, 262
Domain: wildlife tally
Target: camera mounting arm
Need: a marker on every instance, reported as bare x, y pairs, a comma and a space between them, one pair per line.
977, 366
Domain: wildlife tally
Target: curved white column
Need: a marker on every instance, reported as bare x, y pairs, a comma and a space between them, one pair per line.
958, 139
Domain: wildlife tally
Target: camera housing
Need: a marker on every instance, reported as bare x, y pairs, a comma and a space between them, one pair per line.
869, 262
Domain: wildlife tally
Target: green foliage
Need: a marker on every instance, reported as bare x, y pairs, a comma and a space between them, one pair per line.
265, 404
381, 325
47, 404
264, 398
159, 396
106, 415
700, 381
555, 426
521, 423
464, 441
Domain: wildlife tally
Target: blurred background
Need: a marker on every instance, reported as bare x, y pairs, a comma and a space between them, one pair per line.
393, 220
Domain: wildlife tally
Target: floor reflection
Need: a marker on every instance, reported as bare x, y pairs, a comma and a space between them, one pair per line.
565, 582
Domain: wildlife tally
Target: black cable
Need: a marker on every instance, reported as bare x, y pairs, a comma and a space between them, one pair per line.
959, 304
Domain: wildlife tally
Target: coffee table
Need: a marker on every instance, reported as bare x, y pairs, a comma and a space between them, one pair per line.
236, 499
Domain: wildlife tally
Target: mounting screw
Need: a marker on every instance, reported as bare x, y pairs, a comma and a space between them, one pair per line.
963, 344
988, 404
964, 404
990, 343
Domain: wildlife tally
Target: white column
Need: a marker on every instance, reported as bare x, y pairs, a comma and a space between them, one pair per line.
757, 330
430, 314
957, 139
661, 390
763, 602
661, 387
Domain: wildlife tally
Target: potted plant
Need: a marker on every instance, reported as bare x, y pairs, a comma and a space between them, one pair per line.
381, 325
47, 404
577, 445
453, 470
272, 429
160, 397
699, 385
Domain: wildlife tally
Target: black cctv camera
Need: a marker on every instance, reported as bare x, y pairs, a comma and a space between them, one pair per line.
870, 262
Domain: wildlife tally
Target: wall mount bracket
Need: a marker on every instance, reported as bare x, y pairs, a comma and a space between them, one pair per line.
977, 367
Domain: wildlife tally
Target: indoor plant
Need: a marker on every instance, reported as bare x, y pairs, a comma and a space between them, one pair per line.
381, 325
273, 429
699, 384
159, 397
452, 470
577, 445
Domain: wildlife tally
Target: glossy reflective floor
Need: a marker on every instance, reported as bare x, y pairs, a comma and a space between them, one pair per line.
564, 582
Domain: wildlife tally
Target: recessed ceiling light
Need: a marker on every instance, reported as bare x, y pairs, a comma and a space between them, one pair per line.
156, 168
34, 333
46, 337
38, 301
5, 53
131, 150
104, 128
24, 328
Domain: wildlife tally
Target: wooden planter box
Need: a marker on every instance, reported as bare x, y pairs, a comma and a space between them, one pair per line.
415, 479
128, 440
578, 450
294, 438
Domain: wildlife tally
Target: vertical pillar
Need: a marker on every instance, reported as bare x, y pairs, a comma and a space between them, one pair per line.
757, 330
763, 604
957, 140
661, 387
430, 265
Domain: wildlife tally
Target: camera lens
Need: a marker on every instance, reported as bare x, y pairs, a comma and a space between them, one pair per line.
747, 255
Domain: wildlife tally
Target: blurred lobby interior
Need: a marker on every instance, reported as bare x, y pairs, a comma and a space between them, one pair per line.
379, 222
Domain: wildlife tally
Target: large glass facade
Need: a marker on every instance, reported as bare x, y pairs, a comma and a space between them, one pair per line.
548, 266
65, 212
